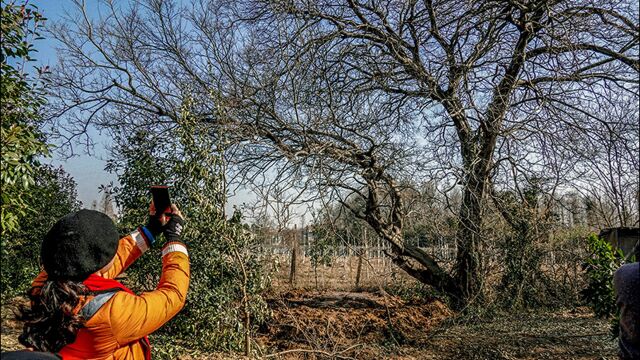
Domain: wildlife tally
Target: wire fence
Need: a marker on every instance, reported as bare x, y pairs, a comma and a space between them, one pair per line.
351, 266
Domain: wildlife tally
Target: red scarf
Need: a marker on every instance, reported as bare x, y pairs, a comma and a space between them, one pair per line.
98, 283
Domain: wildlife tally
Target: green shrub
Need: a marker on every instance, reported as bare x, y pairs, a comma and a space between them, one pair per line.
599, 267
21, 96
52, 196
212, 319
221, 251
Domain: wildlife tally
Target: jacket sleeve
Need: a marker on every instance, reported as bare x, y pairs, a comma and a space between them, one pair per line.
133, 317
129, 250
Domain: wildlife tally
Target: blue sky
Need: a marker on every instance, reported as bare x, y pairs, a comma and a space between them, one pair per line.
87, 170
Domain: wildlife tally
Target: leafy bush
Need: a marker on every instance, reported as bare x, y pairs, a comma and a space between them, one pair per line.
21, 97
225, 259
52, 196
599, 268
522, 284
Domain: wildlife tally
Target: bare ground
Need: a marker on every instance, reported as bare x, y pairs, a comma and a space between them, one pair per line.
376, 325
542, 335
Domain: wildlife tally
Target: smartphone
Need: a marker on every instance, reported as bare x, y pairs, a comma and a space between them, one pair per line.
161, 200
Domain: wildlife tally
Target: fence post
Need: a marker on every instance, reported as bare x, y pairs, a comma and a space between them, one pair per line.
359, 271
294, 250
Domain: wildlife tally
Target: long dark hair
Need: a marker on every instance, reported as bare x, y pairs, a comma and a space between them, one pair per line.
50, 322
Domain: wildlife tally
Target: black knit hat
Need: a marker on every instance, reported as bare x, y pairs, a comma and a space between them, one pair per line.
78, 245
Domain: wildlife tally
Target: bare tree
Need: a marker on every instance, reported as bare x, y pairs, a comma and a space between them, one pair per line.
611, 157
352, 97
486, 70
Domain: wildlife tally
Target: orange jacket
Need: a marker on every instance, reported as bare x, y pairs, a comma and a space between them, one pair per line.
116, 329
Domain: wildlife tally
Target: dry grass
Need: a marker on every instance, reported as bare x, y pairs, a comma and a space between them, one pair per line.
10, 328
340, 275
352, 324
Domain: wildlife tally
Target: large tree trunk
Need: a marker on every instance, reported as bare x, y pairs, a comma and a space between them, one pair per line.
427, 272
413, 260
477, 160
468, 265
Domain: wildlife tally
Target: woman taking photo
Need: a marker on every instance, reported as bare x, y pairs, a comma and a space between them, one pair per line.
79, 311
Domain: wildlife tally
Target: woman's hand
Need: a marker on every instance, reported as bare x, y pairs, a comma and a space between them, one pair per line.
159, 224
173, 229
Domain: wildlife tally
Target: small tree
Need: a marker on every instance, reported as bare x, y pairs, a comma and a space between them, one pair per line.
226, 274
21, 97
320, 249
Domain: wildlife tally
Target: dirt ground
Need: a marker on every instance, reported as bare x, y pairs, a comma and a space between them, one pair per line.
380, 326
376, 325
550, 335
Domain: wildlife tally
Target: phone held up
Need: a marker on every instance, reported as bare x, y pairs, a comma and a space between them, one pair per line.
161, 200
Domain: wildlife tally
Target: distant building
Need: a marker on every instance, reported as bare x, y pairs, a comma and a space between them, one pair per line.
623, 238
